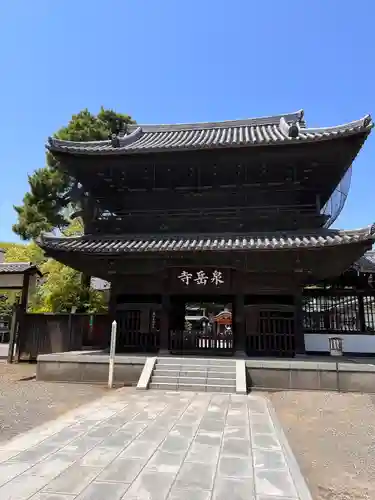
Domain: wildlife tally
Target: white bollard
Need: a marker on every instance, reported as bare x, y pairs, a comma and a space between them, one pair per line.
112, 352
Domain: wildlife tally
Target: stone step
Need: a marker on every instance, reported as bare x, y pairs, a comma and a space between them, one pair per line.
206, 388
192, 367
219, 379
221, 388
194, 380
197, 361
194, 373
192, 387
209, 374
161, 372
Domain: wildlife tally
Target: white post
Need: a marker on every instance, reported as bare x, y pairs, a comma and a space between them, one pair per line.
112, 352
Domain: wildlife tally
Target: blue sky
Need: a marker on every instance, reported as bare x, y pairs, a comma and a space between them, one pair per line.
165, 61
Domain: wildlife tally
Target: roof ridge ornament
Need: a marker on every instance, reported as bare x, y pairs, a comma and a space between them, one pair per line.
294, 130
115, 141
367, 120
289, 129
118, 128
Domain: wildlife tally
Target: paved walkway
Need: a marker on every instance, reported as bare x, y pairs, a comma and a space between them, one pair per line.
155, 445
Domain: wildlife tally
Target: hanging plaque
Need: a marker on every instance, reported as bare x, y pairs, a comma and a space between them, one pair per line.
201, 278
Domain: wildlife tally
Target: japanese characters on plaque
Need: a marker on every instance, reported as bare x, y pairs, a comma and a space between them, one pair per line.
201, 278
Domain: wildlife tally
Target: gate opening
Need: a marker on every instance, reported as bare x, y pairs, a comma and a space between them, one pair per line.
202, 325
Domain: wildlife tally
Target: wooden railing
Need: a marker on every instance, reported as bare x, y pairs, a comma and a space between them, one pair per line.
270, 344
136, 341
191, 342
270, 332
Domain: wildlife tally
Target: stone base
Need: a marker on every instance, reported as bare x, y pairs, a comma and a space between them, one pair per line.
89, 368
309, 375
294, 374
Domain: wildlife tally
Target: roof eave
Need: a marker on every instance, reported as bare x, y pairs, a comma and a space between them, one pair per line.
144, 246
28, 270
274, 144
296, 134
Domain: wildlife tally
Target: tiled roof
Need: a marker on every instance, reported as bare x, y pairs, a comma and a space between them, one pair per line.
99, 284
16, 267
280, 129
181, 243
366, 264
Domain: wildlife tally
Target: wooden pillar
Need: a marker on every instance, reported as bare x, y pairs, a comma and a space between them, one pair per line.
85, 280
16, 313
299, 335
177, 314
361, 314
239, 325
164, 323
25, 291
21, 332
112, 305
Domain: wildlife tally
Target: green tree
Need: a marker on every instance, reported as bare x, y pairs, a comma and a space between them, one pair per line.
62, 288
21, 252
17, 252
48, 206
49, 202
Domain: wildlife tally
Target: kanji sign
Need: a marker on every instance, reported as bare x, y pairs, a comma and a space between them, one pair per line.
201, 278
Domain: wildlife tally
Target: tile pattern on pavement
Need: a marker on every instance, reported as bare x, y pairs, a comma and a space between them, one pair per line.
154, 445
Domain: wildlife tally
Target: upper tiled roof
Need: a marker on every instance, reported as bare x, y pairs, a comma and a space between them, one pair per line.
185, 243
16, 267
280, 129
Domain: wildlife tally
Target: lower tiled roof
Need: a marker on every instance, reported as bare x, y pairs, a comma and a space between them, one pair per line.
186, 243
16, 267
99, 284
366, 264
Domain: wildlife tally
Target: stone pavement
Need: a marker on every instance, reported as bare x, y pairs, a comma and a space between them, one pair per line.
155, 445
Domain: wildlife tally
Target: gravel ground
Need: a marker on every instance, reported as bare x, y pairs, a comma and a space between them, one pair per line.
333, 438
25, 404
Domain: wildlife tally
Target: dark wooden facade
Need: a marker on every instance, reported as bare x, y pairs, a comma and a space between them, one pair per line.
234, 212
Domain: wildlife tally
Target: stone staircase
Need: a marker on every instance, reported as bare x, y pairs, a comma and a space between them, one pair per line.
193, 374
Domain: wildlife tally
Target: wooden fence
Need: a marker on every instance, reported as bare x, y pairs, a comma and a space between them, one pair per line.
48, 333
323, 311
